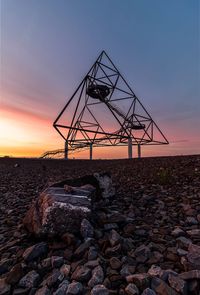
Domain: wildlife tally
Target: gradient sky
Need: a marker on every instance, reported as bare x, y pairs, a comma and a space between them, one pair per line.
47, 46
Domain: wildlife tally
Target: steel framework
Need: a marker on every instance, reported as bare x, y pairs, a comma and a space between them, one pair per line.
104, 111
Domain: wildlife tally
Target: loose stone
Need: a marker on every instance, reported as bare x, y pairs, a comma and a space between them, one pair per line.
97, 277
65, 270
148, 291
81, 274
35, 251
75, 288
132, 289
140, 280
177, 232
87, 230
92, 253
193, 256
62, 288
155, 271
30, 280
114, 237
142, 253
161, 288
99, 290
54, 278
183, 242
177, 283
115, 263
57, 261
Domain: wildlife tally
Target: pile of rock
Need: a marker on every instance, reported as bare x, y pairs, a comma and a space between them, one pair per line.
144, 241
74, 267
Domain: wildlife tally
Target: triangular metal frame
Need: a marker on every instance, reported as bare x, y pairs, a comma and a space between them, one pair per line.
104, 76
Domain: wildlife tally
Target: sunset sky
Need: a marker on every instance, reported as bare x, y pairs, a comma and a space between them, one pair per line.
47, 46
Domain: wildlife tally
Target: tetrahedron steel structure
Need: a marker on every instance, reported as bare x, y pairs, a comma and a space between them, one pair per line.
104, 111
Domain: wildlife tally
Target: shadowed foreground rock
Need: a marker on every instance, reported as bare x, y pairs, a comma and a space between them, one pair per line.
63, 206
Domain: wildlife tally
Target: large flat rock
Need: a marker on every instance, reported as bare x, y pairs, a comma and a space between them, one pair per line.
62, 207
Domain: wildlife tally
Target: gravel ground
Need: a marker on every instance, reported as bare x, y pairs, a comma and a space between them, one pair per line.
146, 241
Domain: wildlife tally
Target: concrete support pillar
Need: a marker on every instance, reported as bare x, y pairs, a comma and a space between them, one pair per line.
130, 148
139, 151
66, 149
90, 151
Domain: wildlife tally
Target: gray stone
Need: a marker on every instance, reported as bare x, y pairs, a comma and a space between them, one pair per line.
54, 278
161, 288
183, 242
177, 232
35, 251
194, 233
132, 289
114, 237
81, 274
127, 270
177, 283
46, 263
30, 280
87, 230
115, 263
140, 279
181, 252
155, 271
105, 184
75, 288
99, 290
142, 253
62, 288
148, 291
166, 273
193, 257
113, 251
57, 261
92, 253
79, 252
65, 270
191, 220
97, 277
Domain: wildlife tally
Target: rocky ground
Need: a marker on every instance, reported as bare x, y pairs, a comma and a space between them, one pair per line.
145, 241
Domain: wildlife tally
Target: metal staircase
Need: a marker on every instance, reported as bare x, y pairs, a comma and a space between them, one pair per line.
59, 153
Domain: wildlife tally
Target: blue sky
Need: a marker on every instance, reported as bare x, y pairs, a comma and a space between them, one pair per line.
47, 47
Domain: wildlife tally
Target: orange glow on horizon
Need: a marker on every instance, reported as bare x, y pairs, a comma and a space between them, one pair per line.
25, 134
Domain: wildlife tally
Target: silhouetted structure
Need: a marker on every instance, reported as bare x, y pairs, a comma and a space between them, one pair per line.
104, 111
